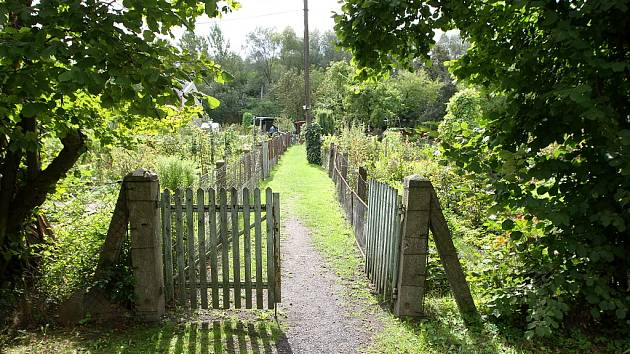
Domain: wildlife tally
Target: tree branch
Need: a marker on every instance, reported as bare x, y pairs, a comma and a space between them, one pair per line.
33, 193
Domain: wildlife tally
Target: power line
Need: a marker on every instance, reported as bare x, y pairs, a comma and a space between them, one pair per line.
215, 20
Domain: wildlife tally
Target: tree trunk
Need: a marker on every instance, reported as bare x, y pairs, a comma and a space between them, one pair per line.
18, 200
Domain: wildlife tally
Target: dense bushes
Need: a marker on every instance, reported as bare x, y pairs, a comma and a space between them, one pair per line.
314, 144
176, 173
248, 119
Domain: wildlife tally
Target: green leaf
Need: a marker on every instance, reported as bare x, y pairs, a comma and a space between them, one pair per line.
66, 76
508, 224
33, 109
212, 102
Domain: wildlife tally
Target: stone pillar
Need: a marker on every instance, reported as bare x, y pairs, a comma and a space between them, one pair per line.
362, 184
143, 203
414, 247
220, 174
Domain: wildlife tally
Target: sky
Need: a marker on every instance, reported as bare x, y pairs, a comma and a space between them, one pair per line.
277, 14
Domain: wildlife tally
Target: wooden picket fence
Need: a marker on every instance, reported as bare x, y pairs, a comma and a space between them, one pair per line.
393, 234
221, 250
383, 235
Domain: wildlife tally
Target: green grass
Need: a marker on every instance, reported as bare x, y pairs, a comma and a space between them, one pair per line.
209, 337
308, 193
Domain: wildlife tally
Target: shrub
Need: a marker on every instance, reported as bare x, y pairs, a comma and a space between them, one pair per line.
314, 144
79, 215
326, 121
248, 119
176, 173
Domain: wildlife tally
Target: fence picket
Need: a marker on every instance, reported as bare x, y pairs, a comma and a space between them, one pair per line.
201, 229
236, 249
276, 247
370, 227
386, 222
168, 246
225, 261
247, 250
270, 267
214, 268
179, 248
190, 240
379, 236
373, 229
258, 236
397, 238
390, 240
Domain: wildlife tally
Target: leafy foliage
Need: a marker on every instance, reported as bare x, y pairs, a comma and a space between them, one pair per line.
554, 146
175, 173
314, 144
326, 121
80, 72
248, 119
405, 99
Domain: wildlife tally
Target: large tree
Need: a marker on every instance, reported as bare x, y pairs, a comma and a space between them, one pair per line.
64, 66
556, 149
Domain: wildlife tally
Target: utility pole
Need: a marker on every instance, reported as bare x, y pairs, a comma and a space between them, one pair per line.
307, 79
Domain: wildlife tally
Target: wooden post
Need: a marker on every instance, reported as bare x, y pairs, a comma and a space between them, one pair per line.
450, 261
265, 159
362, 184
413, 247
143, 196
219, 168
344, 166
331, 160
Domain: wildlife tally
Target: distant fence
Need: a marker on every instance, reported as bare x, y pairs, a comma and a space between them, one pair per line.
392, 232
354, 203
250, 168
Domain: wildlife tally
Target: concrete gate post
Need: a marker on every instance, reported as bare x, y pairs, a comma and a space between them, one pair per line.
414, 247
143, 197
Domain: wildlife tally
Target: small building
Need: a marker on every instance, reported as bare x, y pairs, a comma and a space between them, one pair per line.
298, 126
264, 123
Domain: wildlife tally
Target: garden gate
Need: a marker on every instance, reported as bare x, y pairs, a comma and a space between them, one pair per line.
221, 250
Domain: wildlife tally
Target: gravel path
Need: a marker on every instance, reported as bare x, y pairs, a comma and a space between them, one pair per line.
318, 319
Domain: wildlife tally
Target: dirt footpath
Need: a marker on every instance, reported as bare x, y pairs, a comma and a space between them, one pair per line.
318, 319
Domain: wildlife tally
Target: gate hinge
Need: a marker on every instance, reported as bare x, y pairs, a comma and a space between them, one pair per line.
401, 209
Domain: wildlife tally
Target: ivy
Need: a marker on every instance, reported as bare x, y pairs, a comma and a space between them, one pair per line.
314, 144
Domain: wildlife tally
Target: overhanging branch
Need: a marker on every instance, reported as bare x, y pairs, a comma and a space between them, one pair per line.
33, 193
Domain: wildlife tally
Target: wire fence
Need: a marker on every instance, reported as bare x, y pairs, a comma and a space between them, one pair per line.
353, 200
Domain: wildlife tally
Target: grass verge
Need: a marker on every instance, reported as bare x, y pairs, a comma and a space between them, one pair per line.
219, 336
